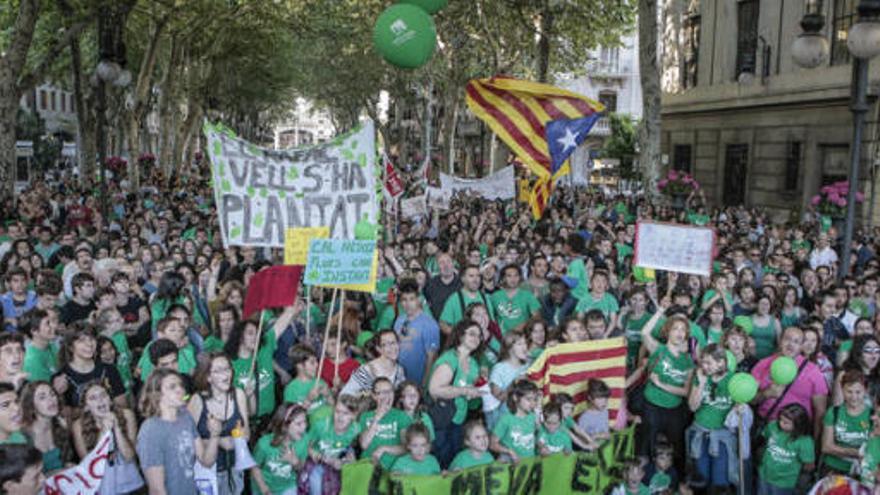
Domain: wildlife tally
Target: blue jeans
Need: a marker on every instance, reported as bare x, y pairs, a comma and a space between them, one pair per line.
447, 443
765, 488
713, 469
316, 480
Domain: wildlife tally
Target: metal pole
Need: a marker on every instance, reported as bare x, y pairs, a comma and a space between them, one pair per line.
859, 108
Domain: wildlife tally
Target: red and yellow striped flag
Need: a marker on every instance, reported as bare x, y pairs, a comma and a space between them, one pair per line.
539, 196
566, 368
518, 112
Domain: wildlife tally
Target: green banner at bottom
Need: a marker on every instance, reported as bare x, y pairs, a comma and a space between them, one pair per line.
581, 472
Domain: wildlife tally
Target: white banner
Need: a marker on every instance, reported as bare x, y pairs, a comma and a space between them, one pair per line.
674, 247
499, 185
414, 207
438, 199
260, 193
84, 478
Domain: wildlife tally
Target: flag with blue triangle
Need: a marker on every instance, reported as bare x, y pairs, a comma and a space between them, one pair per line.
565, 135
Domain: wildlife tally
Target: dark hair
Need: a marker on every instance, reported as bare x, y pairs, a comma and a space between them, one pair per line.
551, 409
597, 389
408, 286
511, 266
236, 336
31, 321
170, 285
854, 359
300, 354
101, 340
457, 335
65, 354
161, 348
203, 370
398, 399
60, 434
517, 391
16, 271
800, 419
417, 429
80, 279
594, 315
14, 461
280, 421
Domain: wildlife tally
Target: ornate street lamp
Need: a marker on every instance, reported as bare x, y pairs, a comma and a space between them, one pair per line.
863, 41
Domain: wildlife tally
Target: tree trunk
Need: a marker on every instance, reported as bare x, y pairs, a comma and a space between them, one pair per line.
649, 68
85, 120
544, 43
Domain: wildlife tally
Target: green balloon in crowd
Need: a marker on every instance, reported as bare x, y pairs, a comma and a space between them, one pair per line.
742, 388
731, 361
429, 6
405, 36
783, 370
744, 322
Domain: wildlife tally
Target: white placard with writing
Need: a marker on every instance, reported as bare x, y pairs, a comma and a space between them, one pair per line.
674, 247
499, 185
414, 207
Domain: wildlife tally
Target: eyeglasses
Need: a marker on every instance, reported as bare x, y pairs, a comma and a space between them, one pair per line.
871, 350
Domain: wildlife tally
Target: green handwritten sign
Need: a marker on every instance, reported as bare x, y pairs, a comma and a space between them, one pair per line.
579, 473
335, 262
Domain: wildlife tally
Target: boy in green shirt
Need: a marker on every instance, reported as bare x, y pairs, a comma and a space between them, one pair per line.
306, 388
171, 329
41, 353
553, 436
418, 460
514, 306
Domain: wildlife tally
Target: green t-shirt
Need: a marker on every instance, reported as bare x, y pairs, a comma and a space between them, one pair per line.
516, 310
298, 389
459, 379
623, 250
466, 459
849, 431
264, 373
407, 465
578, 271
633, 330
125, 358
213, 344
558, 441
869, 463
40, 364
517, 433
783, 457
453, 312
186, 361
715, 404
660, 482
389, 433
425, 420
326, 441
278, 474
671, 370
16, 437
607, 304
727, 296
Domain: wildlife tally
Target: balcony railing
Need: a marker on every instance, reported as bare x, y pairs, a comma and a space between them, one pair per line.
602, 127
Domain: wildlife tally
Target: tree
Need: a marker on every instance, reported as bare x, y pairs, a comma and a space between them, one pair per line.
649, 73
621, 145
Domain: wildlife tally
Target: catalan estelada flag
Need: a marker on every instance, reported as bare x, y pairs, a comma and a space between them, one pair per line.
519, 112
539, 196
566, 368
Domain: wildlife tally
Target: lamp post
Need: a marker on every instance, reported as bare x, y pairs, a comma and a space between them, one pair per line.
810, 50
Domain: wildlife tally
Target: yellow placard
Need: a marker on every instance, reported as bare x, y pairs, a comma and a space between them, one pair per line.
296, 243
369, 286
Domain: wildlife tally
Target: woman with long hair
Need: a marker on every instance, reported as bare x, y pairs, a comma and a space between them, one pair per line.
101, 415
281, 452
384, 365
217, 398
41, 421
80, 365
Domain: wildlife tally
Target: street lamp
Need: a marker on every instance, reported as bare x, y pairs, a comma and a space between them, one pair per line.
863, 41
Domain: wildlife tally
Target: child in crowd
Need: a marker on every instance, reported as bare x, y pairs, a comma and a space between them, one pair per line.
661, 475
594, 421
514, 361
789, 452
418, 460
281, 452
305, 388
331, 444
513, 437
633, 474
476, 439
553, 437
409, 400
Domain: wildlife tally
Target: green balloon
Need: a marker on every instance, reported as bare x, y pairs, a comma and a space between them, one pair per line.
783, 370
429, 6
742, 388
405, 36
731, 361
745, 323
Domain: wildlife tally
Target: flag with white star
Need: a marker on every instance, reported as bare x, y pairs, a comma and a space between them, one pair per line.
565, 135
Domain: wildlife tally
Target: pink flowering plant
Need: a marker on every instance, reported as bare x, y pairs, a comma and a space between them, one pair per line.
147, 159
677, 183
116, 163
831, 200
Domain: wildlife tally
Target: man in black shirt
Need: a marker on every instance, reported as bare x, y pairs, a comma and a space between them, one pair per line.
440, 287
81, 306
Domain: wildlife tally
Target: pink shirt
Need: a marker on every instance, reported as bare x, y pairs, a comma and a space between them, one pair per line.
809, 383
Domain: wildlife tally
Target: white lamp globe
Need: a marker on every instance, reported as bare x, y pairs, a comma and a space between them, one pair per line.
863, 40
810, 50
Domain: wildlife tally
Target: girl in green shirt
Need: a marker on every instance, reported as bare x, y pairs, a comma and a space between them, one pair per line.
331, 445
476, 439
515, 435
409, 400
227, 319
789, 450
765, 328
711, 402
418, 460
280, 453
846, 426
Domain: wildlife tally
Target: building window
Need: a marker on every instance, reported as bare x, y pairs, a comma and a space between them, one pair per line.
844, 17
54, 95
691, 51
610, 58
609, 100
792, 165
43, 100
681, 158
63, 102
747, 36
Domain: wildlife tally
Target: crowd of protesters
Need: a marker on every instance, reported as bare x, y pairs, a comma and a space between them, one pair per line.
131, 323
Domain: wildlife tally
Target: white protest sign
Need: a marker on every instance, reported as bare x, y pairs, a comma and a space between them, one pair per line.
414, 207
260, 193
499, 185
438, 198
84, 478
675, 248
